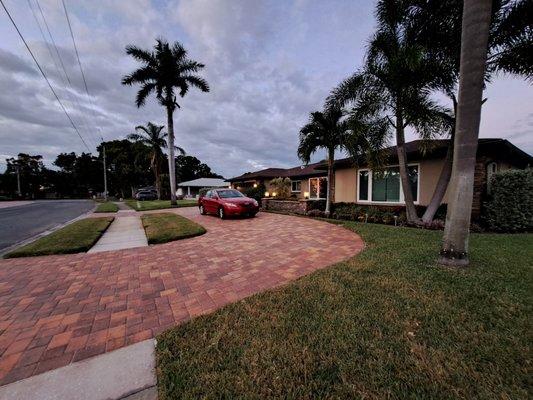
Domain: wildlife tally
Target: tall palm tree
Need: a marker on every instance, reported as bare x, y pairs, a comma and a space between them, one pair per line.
165, 70
509, 50
399, 75
153, 136
474, 45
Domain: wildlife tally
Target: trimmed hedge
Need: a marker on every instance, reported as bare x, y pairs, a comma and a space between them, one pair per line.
510, 208
382, 214
256, 193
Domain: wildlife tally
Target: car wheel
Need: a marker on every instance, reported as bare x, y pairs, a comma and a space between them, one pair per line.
202, 210
221, 213
252, 215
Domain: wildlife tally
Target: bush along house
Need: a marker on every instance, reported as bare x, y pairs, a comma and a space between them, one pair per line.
357, 186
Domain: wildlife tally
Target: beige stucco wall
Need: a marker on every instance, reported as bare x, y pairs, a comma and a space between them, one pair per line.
346, 182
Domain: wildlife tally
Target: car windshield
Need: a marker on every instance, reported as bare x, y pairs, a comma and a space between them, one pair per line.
228, 194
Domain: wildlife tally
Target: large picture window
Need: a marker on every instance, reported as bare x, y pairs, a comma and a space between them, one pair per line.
384, 186
318, 188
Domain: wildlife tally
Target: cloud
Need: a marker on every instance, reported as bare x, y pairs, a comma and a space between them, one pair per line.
269, 64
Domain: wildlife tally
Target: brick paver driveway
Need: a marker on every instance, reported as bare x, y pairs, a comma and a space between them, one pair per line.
55, 310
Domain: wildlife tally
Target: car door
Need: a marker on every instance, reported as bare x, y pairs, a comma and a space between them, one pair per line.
206, 201
215, 200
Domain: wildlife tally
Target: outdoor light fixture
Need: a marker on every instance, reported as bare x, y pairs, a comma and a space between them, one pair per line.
255, 185
306, 195
274, 194
267, 194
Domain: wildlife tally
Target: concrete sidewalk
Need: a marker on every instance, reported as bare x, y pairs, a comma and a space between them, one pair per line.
128, 371
124, 233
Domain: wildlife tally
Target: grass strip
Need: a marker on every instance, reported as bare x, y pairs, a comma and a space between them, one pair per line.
158, 204
107, 207
76, 237
167, 227
387, 323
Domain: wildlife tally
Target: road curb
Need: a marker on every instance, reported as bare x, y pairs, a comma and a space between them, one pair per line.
47, 232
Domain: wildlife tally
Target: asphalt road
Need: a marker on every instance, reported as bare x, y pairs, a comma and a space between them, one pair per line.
22, 222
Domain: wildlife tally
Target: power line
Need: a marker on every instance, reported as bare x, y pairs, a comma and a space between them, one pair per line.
57, 67
81, 68
83, 117
43, 74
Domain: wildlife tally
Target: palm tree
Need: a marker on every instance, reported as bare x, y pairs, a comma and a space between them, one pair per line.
355, 132
474, 45
399, 76
324, 130
153, 136
439, 25
164, 70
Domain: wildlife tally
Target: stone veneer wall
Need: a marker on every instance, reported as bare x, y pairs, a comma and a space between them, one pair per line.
292, 206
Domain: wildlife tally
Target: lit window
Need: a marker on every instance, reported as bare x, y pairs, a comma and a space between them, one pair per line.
318, 188
385, 185
296, 186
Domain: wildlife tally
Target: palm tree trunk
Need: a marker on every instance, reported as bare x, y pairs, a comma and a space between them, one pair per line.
157, 174
331, 181
171, 159
474, 39
442, 185
402, 163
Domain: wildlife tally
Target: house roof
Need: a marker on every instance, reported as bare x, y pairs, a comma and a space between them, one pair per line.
500, 149
270, 173
204, 182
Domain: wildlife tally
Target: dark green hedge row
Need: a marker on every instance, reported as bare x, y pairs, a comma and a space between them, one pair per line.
510, 207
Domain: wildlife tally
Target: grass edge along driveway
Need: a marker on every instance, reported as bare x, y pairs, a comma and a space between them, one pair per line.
106, 207
147, 205
387, 323
167, 227
76, 237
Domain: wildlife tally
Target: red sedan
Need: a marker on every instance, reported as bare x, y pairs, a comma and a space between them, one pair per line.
227, 202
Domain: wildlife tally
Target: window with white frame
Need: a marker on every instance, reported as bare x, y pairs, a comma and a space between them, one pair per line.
318, 188
384, 186
296, 186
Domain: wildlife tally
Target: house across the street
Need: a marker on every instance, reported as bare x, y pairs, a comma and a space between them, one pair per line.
358, 183
191, 188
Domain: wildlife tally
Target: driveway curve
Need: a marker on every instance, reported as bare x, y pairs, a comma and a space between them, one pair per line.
55, 310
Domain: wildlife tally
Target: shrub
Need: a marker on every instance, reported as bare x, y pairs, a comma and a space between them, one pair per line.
317, 205
510, 208
316, 213
282, 187
256, 193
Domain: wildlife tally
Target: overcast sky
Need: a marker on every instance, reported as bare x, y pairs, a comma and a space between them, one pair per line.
269, 63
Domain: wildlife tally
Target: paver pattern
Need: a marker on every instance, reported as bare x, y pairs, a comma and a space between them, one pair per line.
55, 310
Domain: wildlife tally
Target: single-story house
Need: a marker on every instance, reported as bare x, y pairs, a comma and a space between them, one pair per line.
306, 181
355, 182
191, 188
360, 184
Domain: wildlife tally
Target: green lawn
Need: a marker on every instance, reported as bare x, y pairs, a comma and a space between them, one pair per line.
107, 207
158, 204
77, 237
388, 323
166, 227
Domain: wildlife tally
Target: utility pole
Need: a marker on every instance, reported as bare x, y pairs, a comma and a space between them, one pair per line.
105, 175
17, 167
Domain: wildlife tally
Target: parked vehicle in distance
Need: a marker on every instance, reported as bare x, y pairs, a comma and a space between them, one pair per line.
227, 202
146, 195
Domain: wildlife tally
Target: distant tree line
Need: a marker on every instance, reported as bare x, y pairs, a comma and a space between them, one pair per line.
82, 175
